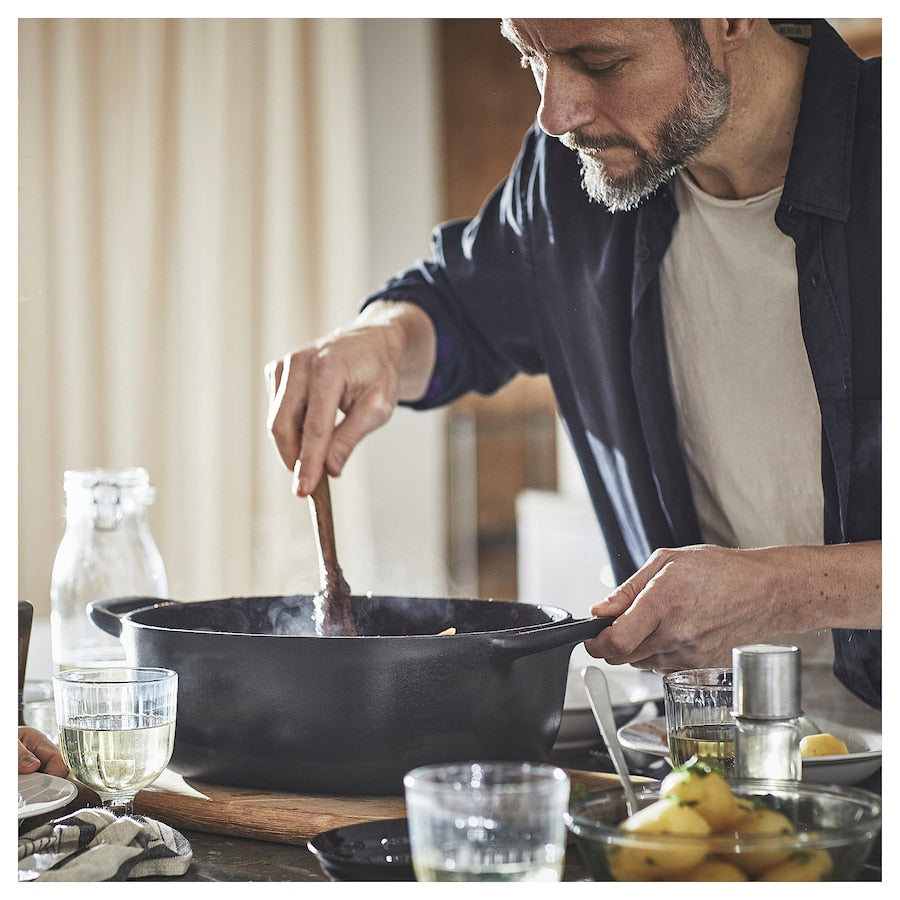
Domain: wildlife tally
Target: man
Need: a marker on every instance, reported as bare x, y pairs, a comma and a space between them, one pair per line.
689, 245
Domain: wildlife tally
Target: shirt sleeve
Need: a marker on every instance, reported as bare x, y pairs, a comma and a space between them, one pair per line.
477, 290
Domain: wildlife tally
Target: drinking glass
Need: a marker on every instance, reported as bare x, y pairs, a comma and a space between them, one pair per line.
699, 721
487, 821
116, 728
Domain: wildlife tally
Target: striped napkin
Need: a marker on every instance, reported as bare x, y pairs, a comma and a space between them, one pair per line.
95, 845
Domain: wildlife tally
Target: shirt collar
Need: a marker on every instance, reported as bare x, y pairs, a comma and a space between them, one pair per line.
818, 177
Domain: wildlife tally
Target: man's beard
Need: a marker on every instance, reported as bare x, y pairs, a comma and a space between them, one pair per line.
686, 131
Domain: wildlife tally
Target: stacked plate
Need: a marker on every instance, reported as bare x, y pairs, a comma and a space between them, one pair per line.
40, 793
630, 689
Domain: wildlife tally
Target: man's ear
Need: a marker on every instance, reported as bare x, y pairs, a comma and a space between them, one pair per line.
724, 36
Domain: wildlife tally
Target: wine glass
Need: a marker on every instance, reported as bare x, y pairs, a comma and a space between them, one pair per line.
116, 728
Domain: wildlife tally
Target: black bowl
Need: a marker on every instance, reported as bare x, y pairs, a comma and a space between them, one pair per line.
372, 851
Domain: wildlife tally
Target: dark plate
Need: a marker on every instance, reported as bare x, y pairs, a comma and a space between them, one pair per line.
372, 851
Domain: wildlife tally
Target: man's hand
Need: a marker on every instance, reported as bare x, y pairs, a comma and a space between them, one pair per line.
686, 608
362, 371
38, 753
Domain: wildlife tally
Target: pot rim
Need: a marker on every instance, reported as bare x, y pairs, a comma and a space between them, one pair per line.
563, 619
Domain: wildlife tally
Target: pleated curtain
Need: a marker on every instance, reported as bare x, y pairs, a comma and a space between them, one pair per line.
195, 199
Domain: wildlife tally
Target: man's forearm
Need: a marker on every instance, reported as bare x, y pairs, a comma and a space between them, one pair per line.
411, 333
835, 586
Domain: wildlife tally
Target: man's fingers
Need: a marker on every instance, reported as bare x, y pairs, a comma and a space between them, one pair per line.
350, 373
28, 762
367, 414
622, 641
318, 427
621, 598
286, 387
627, 592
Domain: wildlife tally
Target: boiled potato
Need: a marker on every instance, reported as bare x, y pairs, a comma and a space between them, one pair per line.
703, 789
763, 820
664, 816
630, 864
715, 870
823, 744
802, 865
695, 800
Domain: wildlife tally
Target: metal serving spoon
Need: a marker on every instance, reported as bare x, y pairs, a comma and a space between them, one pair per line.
601, 706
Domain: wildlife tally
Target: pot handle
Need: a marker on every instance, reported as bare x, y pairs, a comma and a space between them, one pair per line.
107, 614
544, 637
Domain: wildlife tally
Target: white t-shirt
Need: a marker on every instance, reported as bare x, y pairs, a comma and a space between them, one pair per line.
748, 418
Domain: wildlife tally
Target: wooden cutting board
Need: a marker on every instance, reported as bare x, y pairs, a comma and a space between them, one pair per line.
275, 816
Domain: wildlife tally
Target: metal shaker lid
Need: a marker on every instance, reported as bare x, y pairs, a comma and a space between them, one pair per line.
766, 681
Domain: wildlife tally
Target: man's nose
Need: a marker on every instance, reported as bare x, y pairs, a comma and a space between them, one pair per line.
565, 101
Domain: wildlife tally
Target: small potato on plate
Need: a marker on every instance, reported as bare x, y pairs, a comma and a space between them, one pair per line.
823, 744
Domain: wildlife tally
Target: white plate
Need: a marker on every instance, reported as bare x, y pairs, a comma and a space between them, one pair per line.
627, 685
43, 793
862, 760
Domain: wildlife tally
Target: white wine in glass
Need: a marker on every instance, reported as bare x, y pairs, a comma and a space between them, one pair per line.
116, 728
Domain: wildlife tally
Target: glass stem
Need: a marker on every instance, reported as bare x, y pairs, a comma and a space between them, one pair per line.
120, 806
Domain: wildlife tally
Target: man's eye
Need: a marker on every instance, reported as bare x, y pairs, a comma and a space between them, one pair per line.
600, 69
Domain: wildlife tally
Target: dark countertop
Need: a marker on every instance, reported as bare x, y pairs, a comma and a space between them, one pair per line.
226, 858
220, 857
223, 858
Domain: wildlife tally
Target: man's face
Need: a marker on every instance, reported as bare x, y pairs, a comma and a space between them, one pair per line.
627, 94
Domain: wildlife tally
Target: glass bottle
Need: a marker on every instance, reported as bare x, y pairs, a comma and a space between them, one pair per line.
107, 550
767, 711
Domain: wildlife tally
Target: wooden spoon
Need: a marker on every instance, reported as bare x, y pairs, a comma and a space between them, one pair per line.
333, 615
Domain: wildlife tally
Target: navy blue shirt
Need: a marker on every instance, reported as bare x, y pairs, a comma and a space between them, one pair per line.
545, 281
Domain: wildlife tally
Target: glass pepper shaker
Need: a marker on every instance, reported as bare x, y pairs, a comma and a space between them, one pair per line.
767, 711
107, 550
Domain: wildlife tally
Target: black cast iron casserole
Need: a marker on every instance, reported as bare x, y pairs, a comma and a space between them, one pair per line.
265, 702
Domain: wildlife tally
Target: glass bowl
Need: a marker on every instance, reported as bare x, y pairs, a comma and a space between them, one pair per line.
835, 828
